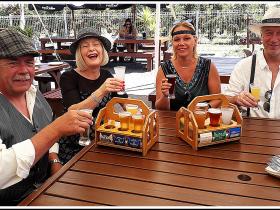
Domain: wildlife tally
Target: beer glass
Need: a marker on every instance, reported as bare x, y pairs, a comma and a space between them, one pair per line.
120, 74
132, 108
226, 115
202, 106
171, 79
84, 137
256, 92
124, 120
138, 122
200, 117
214, 115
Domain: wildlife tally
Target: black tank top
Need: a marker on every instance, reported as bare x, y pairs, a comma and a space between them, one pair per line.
186, 92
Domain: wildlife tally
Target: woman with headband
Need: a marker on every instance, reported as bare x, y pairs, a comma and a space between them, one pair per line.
195, 75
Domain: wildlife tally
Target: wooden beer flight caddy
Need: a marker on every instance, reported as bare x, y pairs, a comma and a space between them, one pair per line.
187, 127
108, 134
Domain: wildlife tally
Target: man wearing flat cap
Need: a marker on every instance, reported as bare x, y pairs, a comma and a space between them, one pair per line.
28, 137
264, 74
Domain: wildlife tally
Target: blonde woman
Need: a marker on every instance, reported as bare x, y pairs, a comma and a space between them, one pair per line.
87, 86
195, 75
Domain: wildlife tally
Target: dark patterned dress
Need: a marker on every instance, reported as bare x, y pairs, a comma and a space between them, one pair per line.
186, 92
74, 89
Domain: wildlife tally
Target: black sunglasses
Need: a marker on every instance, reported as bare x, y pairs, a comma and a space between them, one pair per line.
267, 96
182, 21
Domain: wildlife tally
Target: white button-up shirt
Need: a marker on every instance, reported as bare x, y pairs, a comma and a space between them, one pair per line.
15, 162
240, 79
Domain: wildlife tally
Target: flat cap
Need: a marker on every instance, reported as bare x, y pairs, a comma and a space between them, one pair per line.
15, 44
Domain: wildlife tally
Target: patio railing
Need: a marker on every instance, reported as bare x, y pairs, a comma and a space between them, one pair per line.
215, 28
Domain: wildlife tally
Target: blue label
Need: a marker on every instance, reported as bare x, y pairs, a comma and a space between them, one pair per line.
118, 139
234, 132
134, 142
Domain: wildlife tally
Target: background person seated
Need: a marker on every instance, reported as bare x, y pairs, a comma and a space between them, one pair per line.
128, 31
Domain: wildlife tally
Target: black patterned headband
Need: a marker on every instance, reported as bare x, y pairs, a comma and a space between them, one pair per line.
183, 32
271, 20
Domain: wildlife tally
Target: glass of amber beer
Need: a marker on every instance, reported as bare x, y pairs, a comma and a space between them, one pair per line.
214, 115
132, 108
200, 117
171, 79
124, 120
256, 92
138, 122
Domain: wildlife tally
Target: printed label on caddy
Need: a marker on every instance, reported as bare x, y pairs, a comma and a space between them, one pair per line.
219, 135
105, 137
119, 139
134, 142
205, 138
234, 132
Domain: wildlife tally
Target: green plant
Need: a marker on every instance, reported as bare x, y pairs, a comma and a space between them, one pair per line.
148, 19
28, 31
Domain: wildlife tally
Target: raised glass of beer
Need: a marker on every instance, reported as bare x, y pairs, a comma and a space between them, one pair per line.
171, 79
120, 74
138, 122
124, 120
214, 115
256, 92
85, 137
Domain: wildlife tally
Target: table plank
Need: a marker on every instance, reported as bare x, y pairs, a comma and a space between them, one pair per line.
58, 201
112, 197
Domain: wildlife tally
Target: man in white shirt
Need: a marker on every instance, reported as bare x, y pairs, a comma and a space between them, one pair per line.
266, 76
26, 129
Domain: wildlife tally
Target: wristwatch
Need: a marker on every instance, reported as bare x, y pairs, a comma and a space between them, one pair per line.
55, 161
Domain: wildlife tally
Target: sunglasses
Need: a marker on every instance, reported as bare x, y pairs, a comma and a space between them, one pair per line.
183, 21
266, 104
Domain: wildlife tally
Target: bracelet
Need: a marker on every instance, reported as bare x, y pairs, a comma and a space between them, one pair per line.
55, 161
95, 99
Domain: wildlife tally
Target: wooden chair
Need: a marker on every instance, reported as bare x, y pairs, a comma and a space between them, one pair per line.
54, 98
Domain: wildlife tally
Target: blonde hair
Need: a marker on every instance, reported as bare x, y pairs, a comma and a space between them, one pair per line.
80, 62
186, 25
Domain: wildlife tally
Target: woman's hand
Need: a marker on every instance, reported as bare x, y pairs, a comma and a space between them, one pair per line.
112, 85
165, 86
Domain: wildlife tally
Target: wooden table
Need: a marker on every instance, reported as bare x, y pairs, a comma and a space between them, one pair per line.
53, 70
58, 41
151, 41
171, 173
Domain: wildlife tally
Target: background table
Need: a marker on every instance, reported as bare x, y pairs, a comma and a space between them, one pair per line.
171, 173
53, 70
